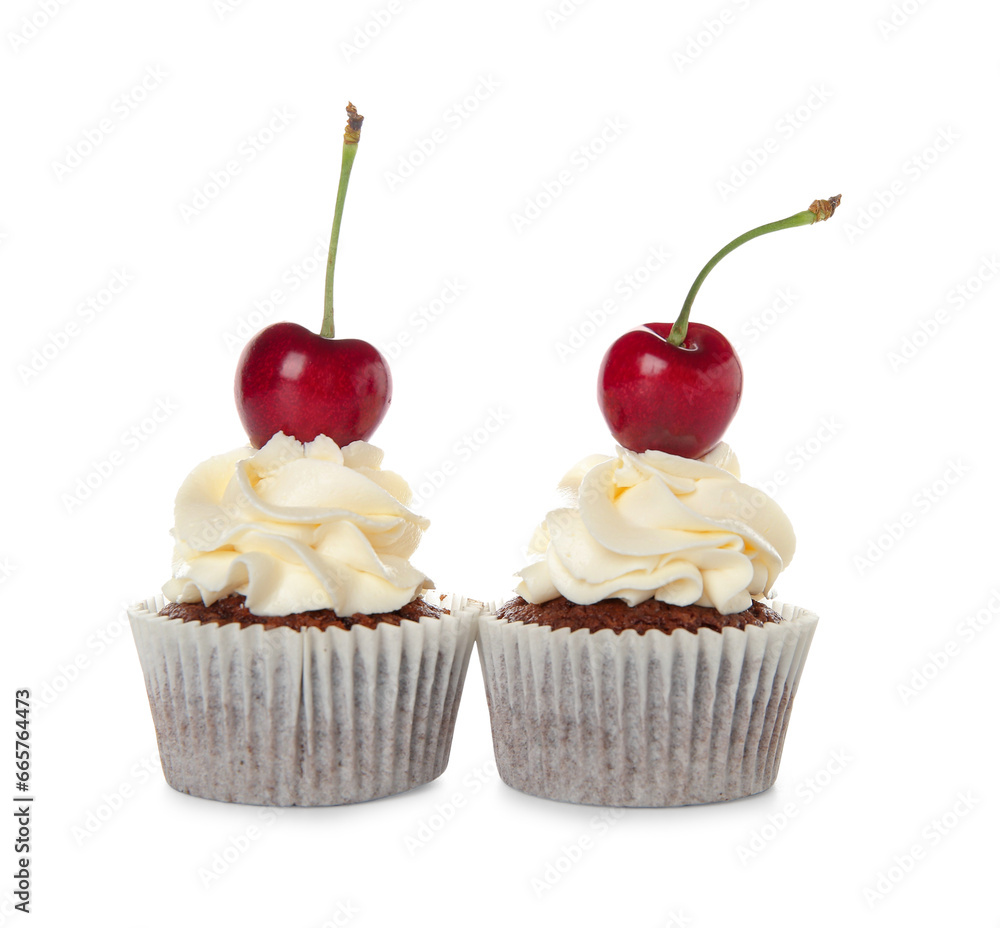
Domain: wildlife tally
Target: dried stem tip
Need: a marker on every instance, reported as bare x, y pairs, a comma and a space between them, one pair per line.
820, 210
823, 209
352, 131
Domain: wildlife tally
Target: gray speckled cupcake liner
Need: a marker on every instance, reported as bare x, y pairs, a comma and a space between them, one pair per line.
642, 720
303, 718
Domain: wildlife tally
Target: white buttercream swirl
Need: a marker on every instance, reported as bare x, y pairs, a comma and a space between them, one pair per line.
655, 525
296, 527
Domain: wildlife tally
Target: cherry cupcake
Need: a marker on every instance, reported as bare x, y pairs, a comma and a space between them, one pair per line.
642, 662
297, 657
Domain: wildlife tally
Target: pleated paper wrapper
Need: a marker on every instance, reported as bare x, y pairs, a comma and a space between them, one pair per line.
642, 720
303, 718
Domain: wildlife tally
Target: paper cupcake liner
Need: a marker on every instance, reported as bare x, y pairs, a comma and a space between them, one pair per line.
642, 720
303, 718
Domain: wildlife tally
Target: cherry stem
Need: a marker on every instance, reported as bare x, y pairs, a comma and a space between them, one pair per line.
817, 212
352, 132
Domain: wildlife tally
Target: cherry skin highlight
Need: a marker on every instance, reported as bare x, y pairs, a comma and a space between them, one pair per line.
680, 399
291, 380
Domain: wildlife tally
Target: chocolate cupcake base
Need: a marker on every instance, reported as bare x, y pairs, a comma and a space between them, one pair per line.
652, 719
303, 717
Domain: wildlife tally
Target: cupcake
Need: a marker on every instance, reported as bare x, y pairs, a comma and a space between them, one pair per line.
642, 661
298, 658
639, 664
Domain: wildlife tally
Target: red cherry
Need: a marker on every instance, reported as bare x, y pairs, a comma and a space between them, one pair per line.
676, 388
674, 398
291, 380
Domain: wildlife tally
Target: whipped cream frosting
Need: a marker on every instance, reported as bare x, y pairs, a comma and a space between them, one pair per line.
658, 526
296, 527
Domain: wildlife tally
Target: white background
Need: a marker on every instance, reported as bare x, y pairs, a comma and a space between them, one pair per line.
728, 115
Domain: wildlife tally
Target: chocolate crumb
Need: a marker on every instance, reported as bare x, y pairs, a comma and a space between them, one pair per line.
233, 609
616, 614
